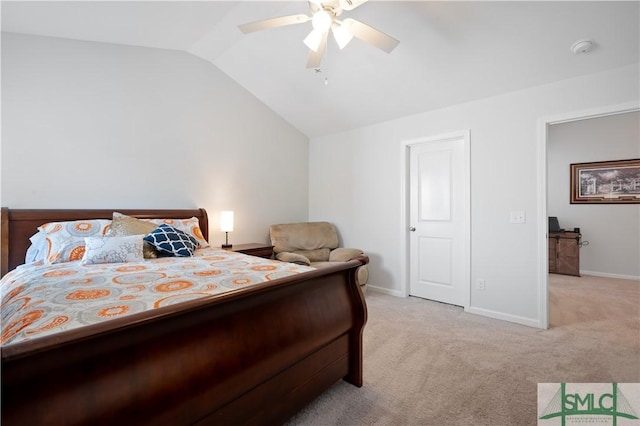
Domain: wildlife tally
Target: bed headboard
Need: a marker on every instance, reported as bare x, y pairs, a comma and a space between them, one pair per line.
16, 226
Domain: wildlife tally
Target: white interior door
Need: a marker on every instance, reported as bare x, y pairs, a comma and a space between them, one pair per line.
439, 220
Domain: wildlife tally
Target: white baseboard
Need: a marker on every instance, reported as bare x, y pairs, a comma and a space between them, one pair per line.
608, 275
396, 293
531, 322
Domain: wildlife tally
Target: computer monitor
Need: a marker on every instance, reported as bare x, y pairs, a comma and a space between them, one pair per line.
554, 226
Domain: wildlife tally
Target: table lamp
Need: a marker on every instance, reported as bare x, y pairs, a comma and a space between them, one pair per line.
226, 226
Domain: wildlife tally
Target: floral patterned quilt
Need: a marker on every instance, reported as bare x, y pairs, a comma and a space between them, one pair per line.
38, 300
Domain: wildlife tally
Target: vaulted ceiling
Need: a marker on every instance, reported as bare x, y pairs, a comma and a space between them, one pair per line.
450, 52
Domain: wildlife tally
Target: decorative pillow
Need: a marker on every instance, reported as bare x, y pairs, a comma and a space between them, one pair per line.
65, 240
113, 249
168, 239
190, 226
123, 225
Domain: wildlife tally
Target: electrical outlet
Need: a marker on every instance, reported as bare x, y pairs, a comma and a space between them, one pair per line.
480, 285
518, 216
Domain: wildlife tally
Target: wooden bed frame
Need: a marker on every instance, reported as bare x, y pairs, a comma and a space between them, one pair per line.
250, 356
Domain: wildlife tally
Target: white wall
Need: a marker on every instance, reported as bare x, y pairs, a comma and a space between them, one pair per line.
613, 231
356, 182
93, 125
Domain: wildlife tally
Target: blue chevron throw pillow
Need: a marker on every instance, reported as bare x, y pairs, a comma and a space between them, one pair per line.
170, 240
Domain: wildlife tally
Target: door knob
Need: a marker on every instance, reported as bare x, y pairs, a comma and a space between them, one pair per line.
412, 229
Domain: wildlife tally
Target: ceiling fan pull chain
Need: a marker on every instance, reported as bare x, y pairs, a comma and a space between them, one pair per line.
326, 63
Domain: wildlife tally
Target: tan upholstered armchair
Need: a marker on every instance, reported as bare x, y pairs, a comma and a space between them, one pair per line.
314, 244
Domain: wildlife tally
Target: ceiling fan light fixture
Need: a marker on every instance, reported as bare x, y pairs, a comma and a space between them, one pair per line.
342, 35
313, 40
324, 16
322, 21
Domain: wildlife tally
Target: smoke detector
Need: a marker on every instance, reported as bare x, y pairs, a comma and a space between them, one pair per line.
581, 46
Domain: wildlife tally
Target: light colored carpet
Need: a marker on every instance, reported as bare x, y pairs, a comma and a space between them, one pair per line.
427, 363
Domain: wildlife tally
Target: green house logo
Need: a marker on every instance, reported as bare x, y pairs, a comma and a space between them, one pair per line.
585, 403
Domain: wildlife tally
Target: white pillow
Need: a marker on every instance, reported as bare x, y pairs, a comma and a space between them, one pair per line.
38, 248
113, 249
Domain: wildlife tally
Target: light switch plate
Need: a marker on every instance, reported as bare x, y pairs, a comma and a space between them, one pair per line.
518, 216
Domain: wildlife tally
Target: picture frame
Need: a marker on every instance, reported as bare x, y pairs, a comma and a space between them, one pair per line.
606, 182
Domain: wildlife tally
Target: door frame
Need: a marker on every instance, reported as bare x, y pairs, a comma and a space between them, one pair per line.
543, 252
405, 211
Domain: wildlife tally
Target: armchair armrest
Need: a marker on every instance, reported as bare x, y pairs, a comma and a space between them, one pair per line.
286, 256
343, 254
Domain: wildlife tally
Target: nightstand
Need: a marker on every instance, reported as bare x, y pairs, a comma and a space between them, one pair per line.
253, 249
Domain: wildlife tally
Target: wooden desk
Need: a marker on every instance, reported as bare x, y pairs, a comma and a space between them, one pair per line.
564, 253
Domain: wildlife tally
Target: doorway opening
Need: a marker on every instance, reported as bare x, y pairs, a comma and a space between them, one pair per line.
544, 194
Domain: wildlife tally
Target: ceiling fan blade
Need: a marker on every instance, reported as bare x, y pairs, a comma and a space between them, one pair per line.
370, 35
351, 4
315, 58
273, 23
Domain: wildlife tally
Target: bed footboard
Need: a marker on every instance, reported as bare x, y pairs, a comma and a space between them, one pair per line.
254, 356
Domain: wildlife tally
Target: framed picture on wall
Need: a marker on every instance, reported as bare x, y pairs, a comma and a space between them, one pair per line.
606, 182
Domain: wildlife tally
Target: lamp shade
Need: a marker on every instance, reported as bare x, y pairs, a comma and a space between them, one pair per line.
341, 34
226, 221
313, 40
322, 21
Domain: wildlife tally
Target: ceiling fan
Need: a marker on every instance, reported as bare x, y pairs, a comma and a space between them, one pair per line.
324, 17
